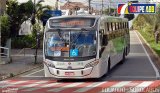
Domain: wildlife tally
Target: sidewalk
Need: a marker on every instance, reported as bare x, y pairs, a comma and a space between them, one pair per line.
22, 61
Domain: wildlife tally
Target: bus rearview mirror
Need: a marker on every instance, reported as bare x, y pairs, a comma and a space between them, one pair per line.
105, 40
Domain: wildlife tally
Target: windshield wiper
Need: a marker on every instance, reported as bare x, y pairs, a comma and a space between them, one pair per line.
82, 29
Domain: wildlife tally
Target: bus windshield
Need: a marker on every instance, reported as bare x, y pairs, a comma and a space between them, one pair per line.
63, 43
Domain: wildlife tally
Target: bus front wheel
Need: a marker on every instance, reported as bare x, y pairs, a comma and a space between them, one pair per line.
124, 57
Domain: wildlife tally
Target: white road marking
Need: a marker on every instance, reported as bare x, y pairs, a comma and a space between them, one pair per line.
2, 83
28, 55
118, 85
154, 67
40, 82
32, 85
32, 76
14, 83
137, 54
89, 87
140, 87
40, 87
128, 77
65, 87
34, 72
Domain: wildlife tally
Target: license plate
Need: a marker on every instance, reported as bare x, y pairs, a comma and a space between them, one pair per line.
69, 74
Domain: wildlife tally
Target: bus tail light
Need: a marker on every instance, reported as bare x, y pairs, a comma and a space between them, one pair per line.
92, 64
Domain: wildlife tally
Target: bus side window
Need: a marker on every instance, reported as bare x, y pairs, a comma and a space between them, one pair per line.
117, 29
114, 28
124, 25
121, 28
108, 26
127, 26
109, 29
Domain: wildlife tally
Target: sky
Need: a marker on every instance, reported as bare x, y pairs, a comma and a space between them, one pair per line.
94, 3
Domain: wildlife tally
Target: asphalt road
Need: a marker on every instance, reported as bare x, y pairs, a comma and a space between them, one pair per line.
138, 71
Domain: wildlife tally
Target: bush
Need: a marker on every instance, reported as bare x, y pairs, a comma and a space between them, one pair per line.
5, 28
27, 41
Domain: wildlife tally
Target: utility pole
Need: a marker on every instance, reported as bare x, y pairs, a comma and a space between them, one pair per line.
102, 7
109, 7
57, 5
89, 6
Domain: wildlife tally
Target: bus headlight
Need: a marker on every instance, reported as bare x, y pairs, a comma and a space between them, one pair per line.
49, 64
92, 64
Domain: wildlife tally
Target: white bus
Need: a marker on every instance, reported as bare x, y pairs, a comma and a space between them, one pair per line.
84, 46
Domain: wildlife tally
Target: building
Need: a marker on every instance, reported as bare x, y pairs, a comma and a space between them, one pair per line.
73, 7
2, 6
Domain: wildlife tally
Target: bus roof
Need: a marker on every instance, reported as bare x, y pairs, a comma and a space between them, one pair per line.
102, 17
72, 16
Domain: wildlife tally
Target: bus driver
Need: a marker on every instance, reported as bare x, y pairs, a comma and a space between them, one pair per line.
55, 45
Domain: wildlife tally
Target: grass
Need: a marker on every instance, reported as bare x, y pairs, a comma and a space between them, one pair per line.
150, 39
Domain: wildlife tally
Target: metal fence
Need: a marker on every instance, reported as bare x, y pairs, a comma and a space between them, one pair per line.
6, 53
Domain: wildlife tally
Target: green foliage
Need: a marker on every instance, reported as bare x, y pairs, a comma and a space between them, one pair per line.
139, 22
5, 29
16, 13
40, 10
150, 40
24, 41
147, 24
28, 41
109, 11
148, 19
19, 13
158, 9
36, 28
5, 25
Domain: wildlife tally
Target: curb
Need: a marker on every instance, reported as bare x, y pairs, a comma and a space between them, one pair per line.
148, 45
10, 75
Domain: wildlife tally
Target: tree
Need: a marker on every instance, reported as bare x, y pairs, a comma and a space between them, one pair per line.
13, 12
110, 11
5, 29
152, 20
40, 10
19, 13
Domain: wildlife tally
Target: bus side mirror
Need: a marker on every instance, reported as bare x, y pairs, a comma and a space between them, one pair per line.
105, 40
103, 37
101, 33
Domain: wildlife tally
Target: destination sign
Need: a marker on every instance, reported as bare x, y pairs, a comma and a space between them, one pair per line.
72, 22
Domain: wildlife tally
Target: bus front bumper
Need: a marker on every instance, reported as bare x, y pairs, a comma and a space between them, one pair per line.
69, 74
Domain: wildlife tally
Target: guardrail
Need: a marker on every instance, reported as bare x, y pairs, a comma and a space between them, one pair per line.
7, 54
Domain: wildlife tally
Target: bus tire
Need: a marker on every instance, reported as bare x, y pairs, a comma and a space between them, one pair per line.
109, 65
124, 57
108, 68
126, 53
